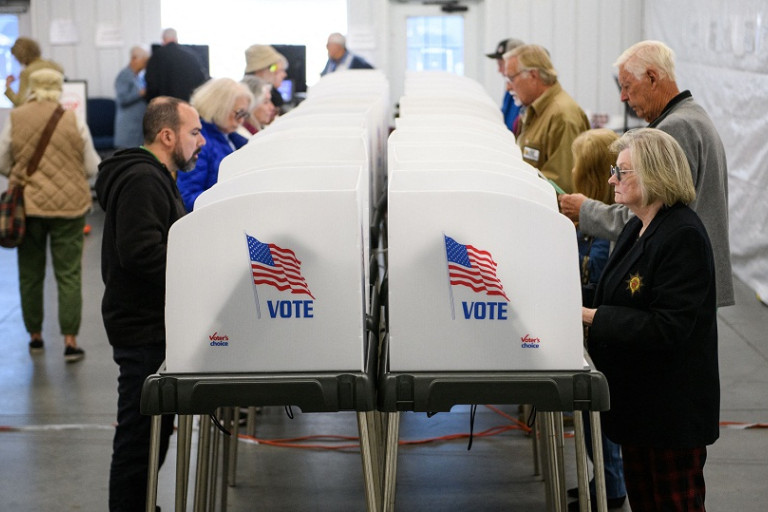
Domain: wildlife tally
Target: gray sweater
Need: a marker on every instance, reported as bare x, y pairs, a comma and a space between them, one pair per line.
689, 124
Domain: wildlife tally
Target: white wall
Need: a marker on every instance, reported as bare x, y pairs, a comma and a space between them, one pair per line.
138, 22
584, 38
722, 57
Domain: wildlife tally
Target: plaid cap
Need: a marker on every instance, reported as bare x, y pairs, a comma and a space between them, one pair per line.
503, 47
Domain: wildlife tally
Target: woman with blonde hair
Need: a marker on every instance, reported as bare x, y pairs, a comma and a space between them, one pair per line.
27, 52
592, 160
653, 328
56, 198
223, 105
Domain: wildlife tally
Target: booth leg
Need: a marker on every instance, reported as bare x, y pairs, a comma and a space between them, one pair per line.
377, 451
540, 429
250, 424
560, 459
582, 469
233, 446
203, 464
597, 461
391, 436
183, 444
369, 473
214, 465
154, 461
226, 422
526, 412
554, 480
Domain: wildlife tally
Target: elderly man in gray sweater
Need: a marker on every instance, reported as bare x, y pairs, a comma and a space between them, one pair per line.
648, 85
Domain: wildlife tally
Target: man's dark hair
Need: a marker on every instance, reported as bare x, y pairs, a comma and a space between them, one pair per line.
162, 112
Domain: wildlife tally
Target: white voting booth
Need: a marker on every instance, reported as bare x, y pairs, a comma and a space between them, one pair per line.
439, 105
442, 122
269, 286
491, 285
482, 267
269, 273
270, 299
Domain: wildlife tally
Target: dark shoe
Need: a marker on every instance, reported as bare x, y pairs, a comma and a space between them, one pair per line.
36, 346
613, 503
73, 354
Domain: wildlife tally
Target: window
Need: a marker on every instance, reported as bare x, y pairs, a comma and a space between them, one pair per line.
436, 43
9, 32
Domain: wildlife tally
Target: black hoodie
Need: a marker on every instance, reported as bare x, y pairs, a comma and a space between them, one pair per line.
141, 201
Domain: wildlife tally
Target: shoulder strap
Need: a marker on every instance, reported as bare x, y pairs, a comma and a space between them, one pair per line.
45, 137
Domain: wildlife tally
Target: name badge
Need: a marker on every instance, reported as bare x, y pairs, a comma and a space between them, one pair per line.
531, 154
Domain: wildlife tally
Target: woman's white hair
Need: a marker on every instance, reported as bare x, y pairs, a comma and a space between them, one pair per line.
215, 99
45, 85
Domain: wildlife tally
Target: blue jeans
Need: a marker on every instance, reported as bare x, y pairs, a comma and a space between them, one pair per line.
614, 464
130, 449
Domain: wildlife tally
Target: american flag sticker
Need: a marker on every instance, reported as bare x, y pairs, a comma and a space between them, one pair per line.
274, 266
472, 267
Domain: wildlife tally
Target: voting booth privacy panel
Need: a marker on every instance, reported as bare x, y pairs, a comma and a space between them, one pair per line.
483, 269
269, 272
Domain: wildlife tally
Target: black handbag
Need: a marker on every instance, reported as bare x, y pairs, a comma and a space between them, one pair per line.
13, 221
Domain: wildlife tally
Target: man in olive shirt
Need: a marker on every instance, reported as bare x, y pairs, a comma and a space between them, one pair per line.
552, 118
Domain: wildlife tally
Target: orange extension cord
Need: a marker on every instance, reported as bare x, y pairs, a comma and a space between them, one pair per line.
352, 441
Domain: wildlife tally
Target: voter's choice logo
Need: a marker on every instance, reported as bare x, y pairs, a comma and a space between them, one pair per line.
219, 340
529, 341
475, 269
279, 268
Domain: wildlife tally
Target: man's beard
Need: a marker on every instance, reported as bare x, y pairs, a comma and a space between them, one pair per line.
184, 165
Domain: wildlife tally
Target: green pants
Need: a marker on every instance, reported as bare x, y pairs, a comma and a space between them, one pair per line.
66, 237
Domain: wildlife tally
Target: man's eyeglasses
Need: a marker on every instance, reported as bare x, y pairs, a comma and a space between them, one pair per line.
241, 113
511, 78
273, 68
615, 171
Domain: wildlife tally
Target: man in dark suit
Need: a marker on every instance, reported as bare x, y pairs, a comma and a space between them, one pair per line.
173, 70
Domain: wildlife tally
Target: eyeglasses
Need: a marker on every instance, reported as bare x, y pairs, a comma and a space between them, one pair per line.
511, 78
273, 68
615, 171
241, 113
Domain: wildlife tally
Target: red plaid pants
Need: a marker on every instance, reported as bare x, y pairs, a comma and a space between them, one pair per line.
665, 479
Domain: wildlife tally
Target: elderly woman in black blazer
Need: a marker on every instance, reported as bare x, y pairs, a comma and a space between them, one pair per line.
653, 328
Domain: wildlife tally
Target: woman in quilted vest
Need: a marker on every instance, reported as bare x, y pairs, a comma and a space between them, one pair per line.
56, 198
27, 52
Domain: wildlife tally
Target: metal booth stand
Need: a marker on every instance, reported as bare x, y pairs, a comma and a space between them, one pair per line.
189, 394
551, 392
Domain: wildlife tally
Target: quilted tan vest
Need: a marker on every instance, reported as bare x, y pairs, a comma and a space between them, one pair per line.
59, 187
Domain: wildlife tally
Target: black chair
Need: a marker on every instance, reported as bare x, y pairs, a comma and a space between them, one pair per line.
100, 116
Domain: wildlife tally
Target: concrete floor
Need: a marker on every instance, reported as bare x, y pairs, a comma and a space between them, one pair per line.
56, 427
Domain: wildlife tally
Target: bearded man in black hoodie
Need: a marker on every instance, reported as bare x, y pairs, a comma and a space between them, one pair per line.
137, 189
